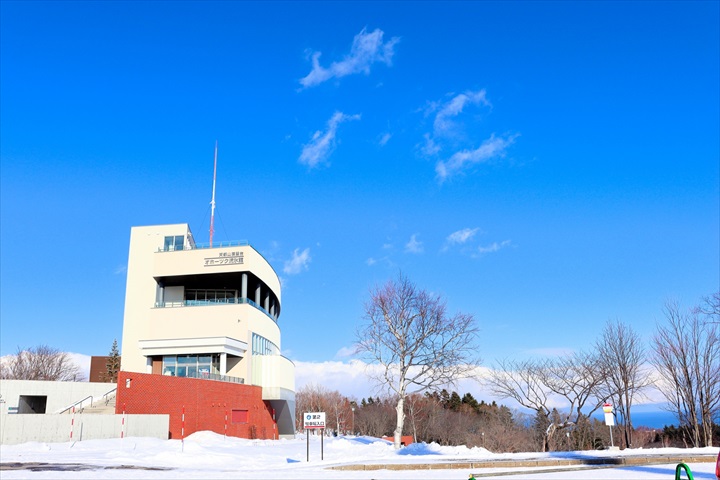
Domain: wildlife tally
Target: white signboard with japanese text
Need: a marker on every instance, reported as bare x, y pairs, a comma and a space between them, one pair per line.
314, 420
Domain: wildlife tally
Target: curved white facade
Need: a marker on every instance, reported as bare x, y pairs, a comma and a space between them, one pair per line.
203, 312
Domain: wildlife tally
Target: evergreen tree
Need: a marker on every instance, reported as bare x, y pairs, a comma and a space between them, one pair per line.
113, 364
455, 402
470, 401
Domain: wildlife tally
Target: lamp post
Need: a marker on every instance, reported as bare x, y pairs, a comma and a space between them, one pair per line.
353, 419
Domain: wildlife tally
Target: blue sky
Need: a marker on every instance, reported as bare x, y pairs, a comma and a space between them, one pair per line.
546, 166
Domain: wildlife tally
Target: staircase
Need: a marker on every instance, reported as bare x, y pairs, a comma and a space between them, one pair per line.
103, 406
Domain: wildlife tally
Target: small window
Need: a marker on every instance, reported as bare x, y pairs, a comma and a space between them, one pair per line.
174, 243
239, 416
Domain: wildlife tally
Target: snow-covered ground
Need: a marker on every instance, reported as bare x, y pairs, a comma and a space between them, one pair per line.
209, 455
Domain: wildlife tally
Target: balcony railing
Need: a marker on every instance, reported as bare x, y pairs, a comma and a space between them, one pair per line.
213, 376
217, 301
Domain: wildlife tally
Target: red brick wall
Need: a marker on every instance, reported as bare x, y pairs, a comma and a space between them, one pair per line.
206, 403
98, 368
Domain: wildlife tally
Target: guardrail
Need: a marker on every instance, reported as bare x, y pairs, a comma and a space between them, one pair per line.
207, 303
204, 246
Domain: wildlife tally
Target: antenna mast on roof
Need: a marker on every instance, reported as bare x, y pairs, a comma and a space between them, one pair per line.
212, 202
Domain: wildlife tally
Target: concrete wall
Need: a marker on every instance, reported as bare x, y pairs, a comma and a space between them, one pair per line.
59, 395
56, 428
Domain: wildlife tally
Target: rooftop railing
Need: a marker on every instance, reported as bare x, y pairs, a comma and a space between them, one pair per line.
201, 246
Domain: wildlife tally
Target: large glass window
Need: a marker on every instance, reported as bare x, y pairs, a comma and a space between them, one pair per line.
263, 346
193, 366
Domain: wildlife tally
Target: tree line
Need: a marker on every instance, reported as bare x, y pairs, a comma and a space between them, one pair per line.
420, 347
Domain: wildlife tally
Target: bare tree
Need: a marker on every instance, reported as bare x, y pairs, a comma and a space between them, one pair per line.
316, 398
622, 354
374, 417
531, 383
417, 344
41, 363
687, 356
710, 308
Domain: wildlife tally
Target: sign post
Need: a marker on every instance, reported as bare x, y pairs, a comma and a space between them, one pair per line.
609, 421
314, 421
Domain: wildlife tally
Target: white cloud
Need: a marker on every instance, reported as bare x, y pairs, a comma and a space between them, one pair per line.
367, 48
298, 262
384, 139
430, 148
443, 124
448, 134
414, 245
120, 270
348, 378
493, 247
493, 147
322, 144
345, 352
370, 262
461, 236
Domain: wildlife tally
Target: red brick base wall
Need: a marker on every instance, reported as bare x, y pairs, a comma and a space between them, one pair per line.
206, 404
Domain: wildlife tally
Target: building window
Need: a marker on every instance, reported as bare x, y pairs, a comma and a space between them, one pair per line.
263, 346
192, 366
205, 297
239, 416
173, 243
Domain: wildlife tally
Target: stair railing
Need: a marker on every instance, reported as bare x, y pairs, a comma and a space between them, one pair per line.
78, 403
107, 398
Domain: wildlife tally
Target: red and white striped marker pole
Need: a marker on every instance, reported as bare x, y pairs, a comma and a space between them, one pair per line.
182, 429
122, 424
72, 423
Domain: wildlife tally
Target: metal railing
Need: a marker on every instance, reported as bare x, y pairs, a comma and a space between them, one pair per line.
77, 403
203, 246
106, 398
214, 376
222, 301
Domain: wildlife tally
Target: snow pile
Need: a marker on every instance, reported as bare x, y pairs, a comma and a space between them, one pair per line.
209, 455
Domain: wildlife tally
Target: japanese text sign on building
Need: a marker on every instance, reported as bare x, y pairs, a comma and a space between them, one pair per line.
225, 258
314, 420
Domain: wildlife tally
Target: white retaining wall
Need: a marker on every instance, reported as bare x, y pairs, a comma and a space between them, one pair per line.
56, 428
60, 395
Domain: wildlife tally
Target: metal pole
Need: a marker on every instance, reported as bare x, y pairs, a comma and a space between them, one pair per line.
212, 202
611, 439
307, 437
322, 435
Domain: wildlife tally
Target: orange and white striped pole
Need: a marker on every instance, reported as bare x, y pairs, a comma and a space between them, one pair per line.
72, 423
122, 424
182, 429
